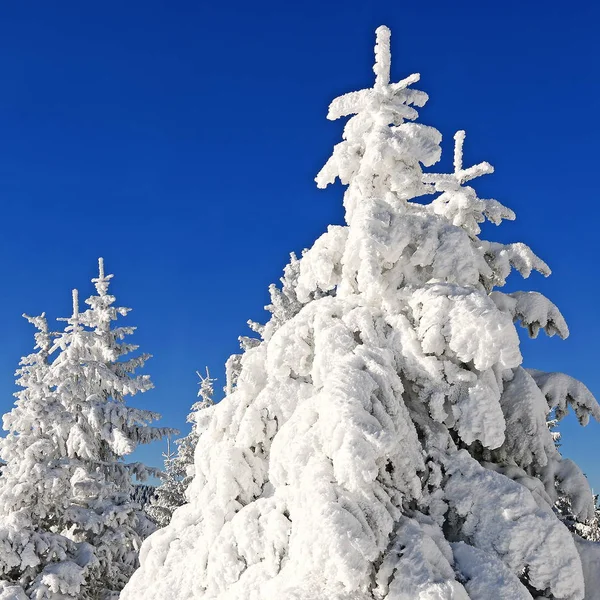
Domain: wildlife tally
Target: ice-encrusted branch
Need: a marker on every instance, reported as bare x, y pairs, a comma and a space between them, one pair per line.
534, 311
562, 390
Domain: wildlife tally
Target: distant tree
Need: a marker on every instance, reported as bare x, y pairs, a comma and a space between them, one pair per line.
143, 494
178, 471
186, 446
68, 525
588, 529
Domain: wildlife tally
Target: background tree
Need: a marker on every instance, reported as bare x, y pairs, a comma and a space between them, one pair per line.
169, 495
69, 526
384, 441
36, 554
178, 471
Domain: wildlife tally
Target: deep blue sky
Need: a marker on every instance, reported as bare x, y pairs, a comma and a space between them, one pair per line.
180, 140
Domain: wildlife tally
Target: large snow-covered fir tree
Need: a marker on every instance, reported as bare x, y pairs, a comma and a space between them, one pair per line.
68, 526
382, 440
178, 471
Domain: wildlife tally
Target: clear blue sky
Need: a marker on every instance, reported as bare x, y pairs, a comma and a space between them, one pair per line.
180, 140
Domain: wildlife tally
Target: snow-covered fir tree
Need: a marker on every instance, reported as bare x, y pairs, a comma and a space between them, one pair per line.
198, 419
169, 495
588, 529
68, 526
382, 440
178, 472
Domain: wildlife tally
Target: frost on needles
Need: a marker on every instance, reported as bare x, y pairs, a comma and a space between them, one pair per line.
381, 439
69, 529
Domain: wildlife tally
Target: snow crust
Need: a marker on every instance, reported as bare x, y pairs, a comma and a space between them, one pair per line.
380, 439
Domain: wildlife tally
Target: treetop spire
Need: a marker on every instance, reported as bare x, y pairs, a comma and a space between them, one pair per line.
381, 153
383, 57
74, 319
102, 281
398, 102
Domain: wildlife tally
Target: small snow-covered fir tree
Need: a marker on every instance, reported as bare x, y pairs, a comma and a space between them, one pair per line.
382, 440
169, 495
68, 525
143, 494
590, 530
178, 472
198, 418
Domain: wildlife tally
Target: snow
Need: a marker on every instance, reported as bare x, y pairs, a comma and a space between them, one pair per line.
380, 438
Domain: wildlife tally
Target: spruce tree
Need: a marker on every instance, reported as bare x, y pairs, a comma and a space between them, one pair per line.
66, 489
383, 441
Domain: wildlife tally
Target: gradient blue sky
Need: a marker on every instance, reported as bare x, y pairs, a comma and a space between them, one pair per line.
180, 140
